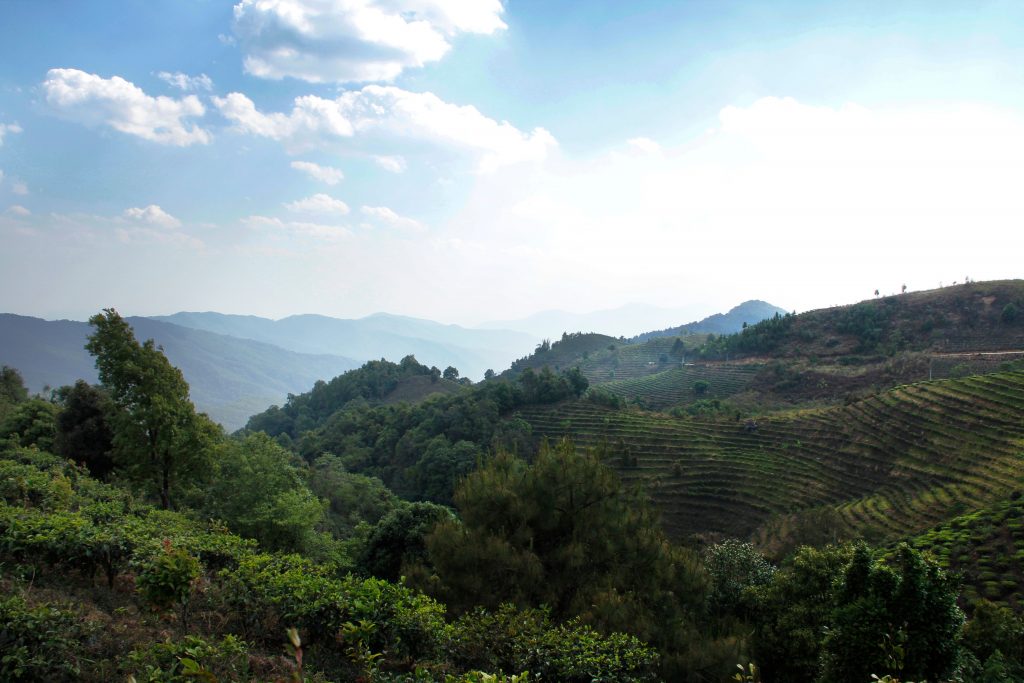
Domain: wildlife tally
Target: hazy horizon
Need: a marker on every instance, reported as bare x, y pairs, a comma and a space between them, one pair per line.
471, 162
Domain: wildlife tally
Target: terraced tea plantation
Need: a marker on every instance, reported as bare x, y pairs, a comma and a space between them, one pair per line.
987, 547
676, 386
892, 465
630, 361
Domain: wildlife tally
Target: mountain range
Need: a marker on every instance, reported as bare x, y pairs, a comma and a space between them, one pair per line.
238, 365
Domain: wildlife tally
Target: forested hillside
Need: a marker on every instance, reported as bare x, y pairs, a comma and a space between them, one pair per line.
783, 513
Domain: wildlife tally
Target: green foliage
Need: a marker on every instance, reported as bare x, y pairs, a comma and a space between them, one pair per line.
12, 386
512, 640
563, 532
443, 463
388, 441
352, 499
602, 397
32, 422
1010, 313
900, 619
734, 567
190, 659
700, 387
397, 542
371, 382
38, 643
792, 614
257, 491
158, 437
995, 638
83, 434
167, 580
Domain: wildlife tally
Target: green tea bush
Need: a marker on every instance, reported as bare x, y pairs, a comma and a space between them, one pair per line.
512, 640
40, 643
189, 659
167, 580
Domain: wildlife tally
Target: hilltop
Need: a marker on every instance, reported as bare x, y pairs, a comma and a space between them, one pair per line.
738, 317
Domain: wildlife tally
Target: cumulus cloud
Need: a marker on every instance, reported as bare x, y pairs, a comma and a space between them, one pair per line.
318, 203
6, 128
18, 210
394, 164
350, 41
278, 227
325, 174
392, 113
152, 215
386, 216
185, 82
92, 100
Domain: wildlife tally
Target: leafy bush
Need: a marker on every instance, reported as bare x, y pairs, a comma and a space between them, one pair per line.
167, 580
189, 659
511, 640
40, 643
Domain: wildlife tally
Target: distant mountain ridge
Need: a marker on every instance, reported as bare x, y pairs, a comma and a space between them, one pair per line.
382, 335
748, 312
230, 378
623, 321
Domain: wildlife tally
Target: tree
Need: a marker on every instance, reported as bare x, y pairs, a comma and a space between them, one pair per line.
31, 423
12, 389
83, 434
792, 614
158, 437
897, 618
261, 495
564, 532
451, 373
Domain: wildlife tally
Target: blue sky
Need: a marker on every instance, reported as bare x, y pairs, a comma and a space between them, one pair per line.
466, 160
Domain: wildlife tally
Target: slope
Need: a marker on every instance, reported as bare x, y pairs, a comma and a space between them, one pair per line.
230, 378
890, 465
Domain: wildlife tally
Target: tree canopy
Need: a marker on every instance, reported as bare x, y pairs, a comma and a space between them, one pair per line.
158, 437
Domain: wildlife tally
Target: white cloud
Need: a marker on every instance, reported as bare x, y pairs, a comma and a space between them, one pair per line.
394, 164
853, 195
185, 82
18, 210
325, 174
92, 100
392, 113
6, 128
348, 41
312, 119
317, 231
152, 215
19, 188
318, 203
644, 145
383, 214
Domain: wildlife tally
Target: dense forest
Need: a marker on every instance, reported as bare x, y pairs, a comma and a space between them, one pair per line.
448, 536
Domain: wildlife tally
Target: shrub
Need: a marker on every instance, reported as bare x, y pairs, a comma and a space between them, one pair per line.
38, 643
167, 580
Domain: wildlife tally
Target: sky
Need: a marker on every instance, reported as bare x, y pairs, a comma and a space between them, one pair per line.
472, 160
